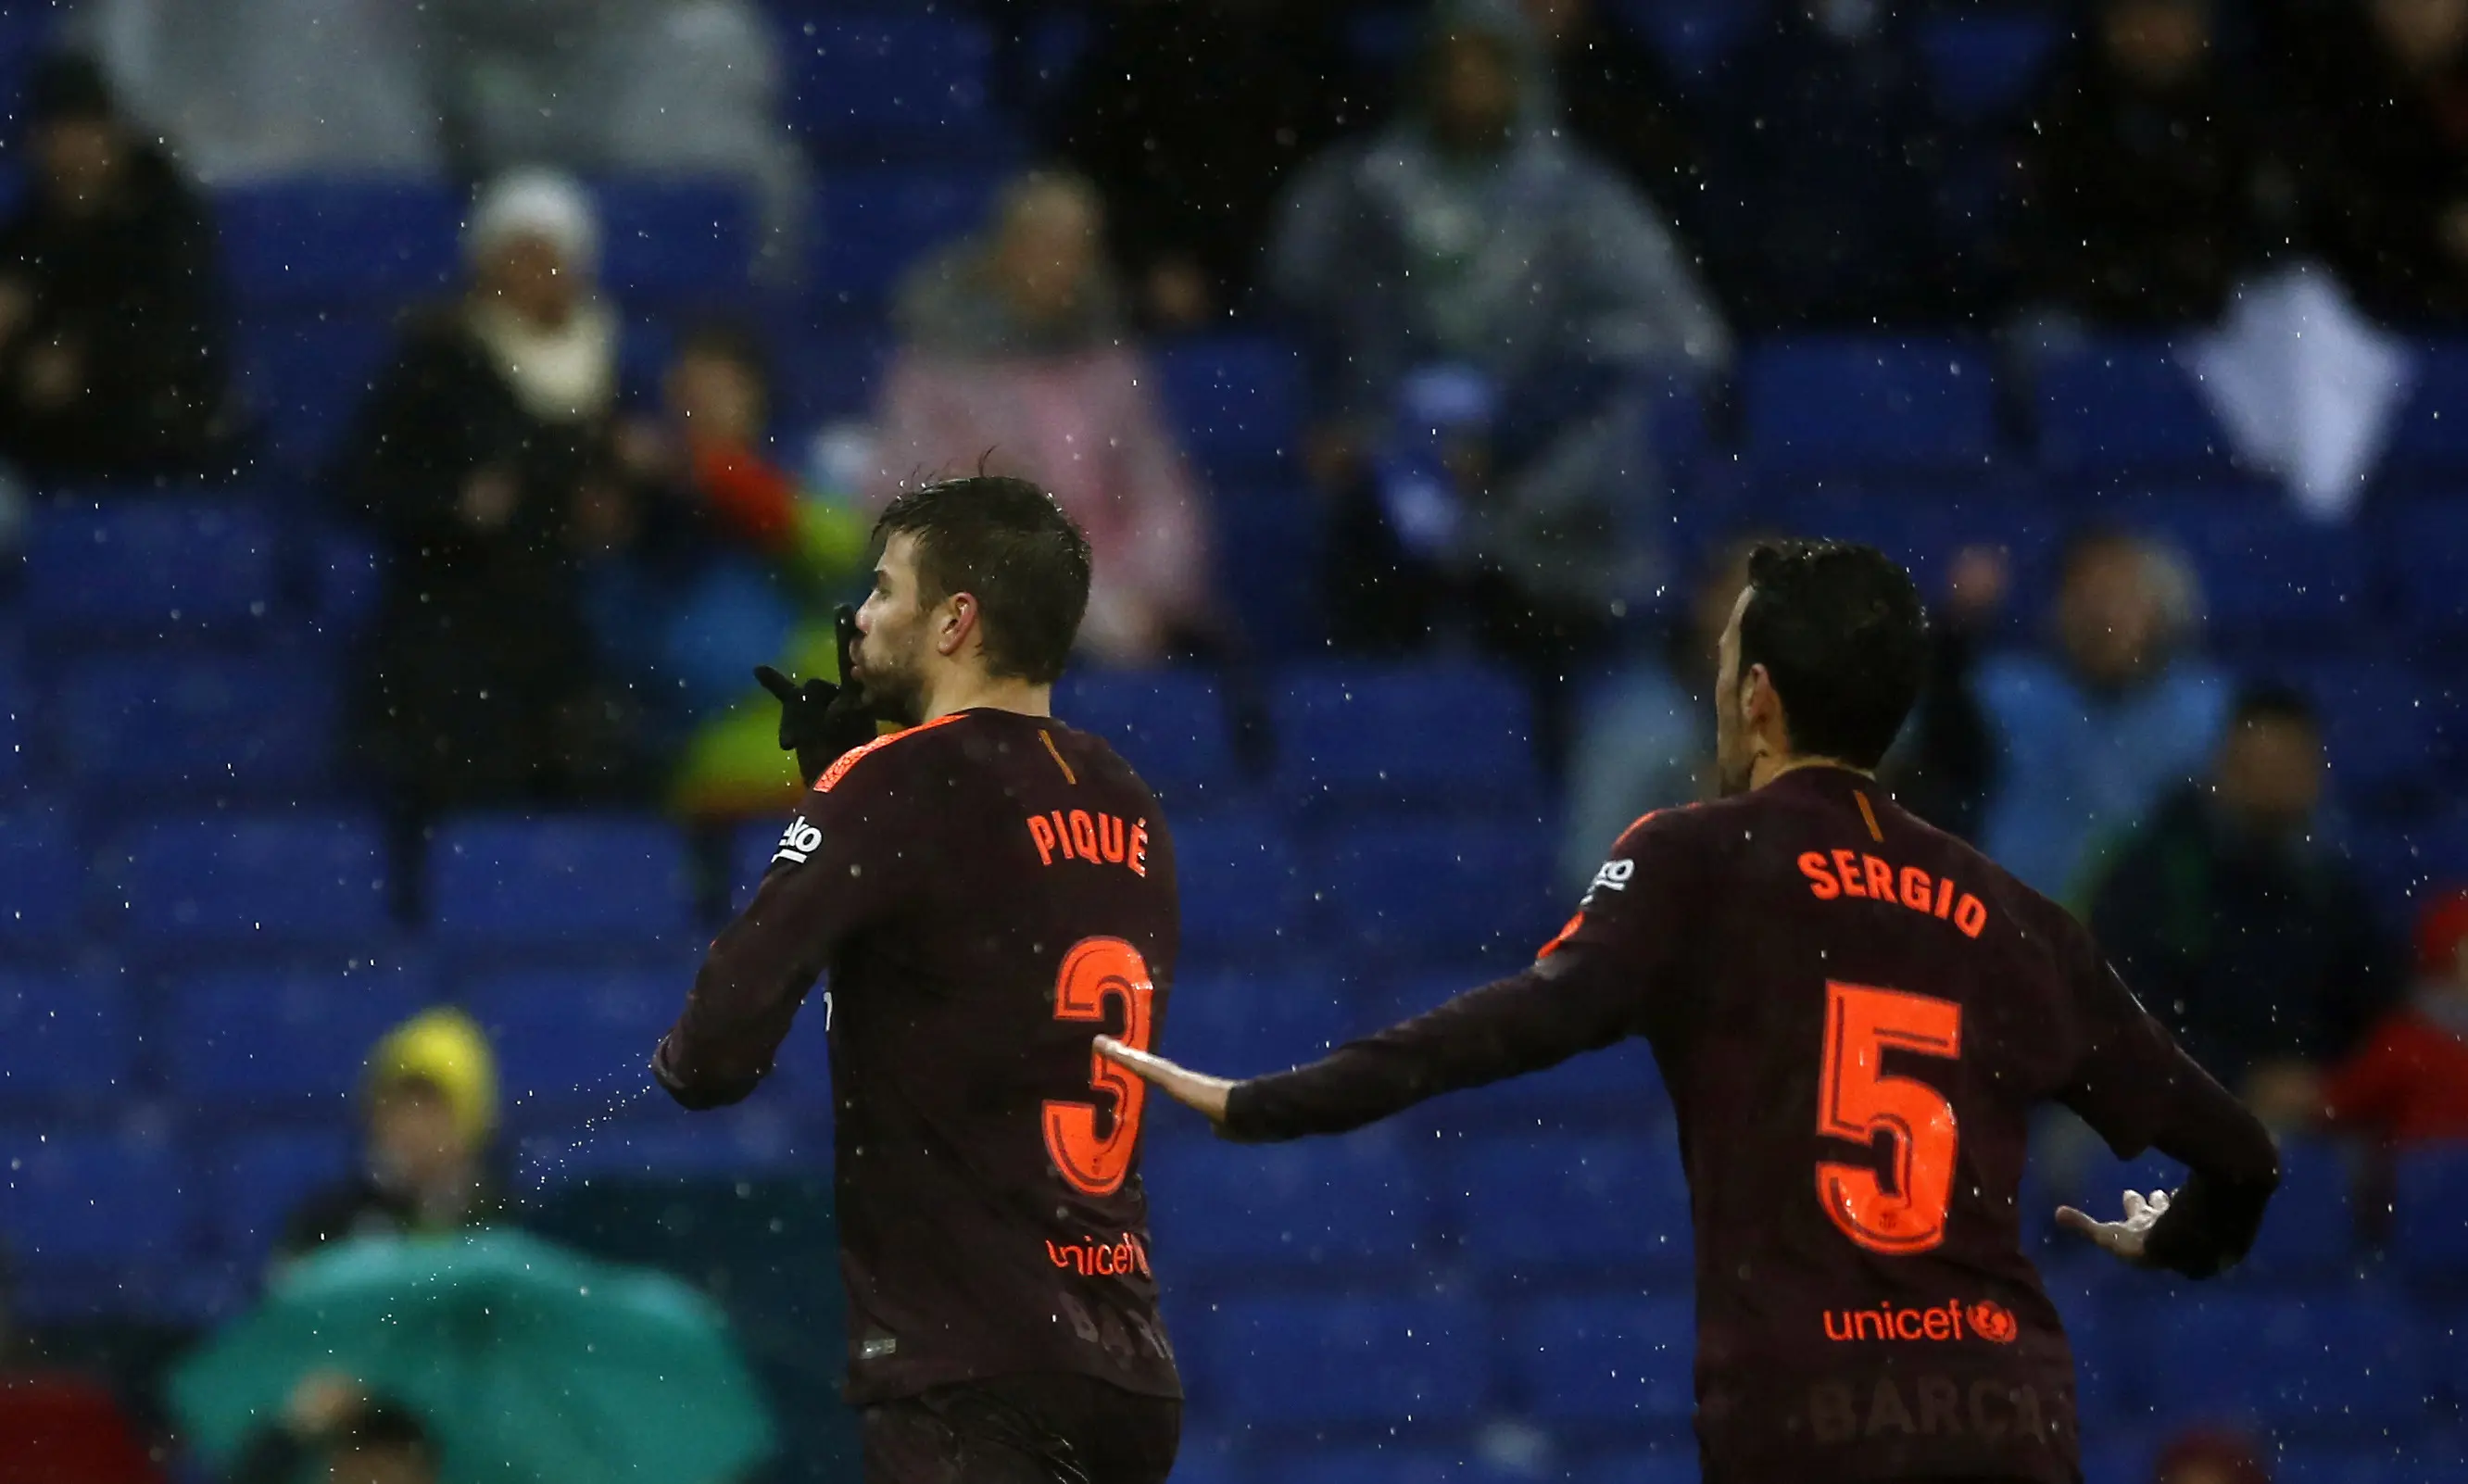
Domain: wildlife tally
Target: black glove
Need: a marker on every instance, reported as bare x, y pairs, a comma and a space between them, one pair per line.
819, 720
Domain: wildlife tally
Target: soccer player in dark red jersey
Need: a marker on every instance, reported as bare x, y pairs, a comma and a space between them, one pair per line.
987, 890
1856, 1015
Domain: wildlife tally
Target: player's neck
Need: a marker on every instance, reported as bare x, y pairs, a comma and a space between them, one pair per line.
982, 693
1767, 767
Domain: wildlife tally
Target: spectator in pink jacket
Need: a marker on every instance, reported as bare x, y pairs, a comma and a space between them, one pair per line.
1016, 358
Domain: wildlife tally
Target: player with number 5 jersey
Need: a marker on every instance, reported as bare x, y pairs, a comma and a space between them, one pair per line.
1856, 1015
987, 890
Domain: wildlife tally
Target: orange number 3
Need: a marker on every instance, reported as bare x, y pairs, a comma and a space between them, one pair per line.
1095, 970
1855, 1101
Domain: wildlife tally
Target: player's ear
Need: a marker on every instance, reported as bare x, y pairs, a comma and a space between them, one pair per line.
957, 621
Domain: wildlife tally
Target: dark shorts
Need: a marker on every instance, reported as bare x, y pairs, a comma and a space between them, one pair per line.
1023, 1429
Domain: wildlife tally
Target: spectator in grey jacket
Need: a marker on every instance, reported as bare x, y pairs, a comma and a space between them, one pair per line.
1471, 278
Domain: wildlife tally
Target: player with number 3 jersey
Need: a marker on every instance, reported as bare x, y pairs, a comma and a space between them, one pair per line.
988, 891
1856, 1015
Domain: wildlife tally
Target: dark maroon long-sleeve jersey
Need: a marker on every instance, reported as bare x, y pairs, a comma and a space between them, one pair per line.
1856, 1015
988, 892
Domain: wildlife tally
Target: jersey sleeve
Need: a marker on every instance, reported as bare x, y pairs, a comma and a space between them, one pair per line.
845, 863
1605, 976
2138, 1090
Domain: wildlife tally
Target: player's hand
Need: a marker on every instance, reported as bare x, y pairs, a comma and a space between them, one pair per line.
2123, 1238
819, 720
1191, 1089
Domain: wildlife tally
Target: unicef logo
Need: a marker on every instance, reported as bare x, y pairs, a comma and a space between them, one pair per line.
798, 842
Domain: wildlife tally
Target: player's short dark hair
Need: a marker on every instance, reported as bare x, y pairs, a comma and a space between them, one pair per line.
2260, 703
1841, 633
1007, 543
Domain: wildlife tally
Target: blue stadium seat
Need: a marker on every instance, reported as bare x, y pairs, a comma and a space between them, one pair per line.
17, 712
45, 877
283, 1038
873, 225
2123, 405
1473, 892
573, 1040
2309, 1230
1252, 1020
597, 884
2268, 574
344, 242
2426, 545
270, 882
2431, 436
1693, 36
1674, 1462
1525, 1206
305, 374
261, 1179
830, 376
2403, 1461
2430, 1216
668, 242
1389, 1463
139, 567
1985, 66
1435, 735
1269, 536
1606, 1358
66, 1041
1171, 726
2386, 729
197, 725
1838, 403
1354, 1205
655, 1142
2345, 1364
866, 87
92, 1200
1303, 1360
1238, 401
1242, 889
2404, 857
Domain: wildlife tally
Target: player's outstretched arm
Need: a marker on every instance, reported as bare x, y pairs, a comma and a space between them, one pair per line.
1195, 1090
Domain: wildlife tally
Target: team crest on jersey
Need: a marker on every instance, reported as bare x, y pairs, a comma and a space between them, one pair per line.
797, 842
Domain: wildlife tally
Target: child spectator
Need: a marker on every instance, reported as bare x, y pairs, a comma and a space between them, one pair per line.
2409, 1083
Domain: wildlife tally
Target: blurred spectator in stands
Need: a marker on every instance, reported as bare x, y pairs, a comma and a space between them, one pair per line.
1621, 102
330, 1425
57, 1427
729, 557
252, 88
430, 1099
2143, 168
483, 459
110, 328
1017, 360
1646, 739
1944, 765
2252, 939
2047, 754
1823, 156
2409, 1083
1479, 296
607, 86
1185, 113
2379, 139
2209, 1455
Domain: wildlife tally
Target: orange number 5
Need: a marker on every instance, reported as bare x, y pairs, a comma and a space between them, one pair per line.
1855, 1101
1095, 970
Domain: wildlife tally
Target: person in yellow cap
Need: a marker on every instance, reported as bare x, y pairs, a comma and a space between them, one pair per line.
430, 1099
